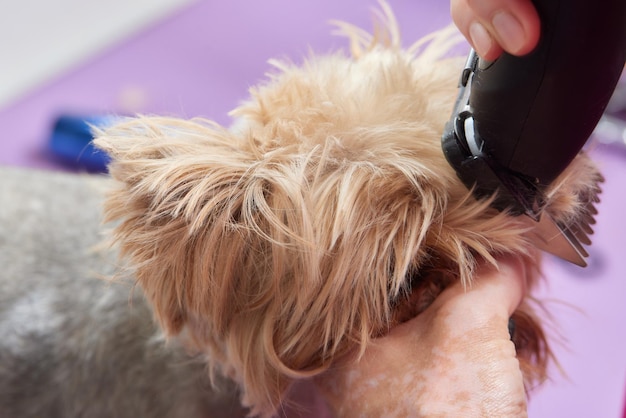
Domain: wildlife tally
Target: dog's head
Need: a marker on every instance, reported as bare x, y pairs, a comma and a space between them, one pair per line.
287, 242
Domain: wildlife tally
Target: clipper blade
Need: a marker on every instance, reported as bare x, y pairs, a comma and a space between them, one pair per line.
567, 241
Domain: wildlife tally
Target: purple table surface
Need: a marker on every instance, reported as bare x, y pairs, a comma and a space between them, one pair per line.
201, 62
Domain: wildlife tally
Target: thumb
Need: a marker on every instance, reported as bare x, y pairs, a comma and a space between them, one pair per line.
495, 292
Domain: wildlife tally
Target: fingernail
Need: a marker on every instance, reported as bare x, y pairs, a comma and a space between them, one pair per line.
480, 38
510, 31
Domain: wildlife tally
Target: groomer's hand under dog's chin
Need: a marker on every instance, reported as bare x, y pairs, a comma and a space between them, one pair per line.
454, 359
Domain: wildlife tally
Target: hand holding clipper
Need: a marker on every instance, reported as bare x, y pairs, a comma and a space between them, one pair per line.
519, 121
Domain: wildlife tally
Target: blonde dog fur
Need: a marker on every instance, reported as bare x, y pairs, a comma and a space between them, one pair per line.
328, 214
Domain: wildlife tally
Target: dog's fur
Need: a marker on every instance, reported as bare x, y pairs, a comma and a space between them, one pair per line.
326, 215
71, 344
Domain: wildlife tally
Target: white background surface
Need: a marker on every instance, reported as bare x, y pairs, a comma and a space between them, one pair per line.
40, 39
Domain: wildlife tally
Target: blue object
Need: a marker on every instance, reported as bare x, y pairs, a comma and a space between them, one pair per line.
71, 141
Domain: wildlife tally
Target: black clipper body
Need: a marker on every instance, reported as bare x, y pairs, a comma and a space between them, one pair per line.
518, 122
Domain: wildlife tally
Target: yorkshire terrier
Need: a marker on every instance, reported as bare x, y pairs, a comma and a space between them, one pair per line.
324, 216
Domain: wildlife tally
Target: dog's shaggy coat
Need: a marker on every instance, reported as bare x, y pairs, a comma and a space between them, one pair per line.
326, 215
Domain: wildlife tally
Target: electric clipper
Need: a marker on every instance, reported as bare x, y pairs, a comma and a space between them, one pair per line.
518, 122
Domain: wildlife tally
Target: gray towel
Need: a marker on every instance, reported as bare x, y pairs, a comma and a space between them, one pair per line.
72, 344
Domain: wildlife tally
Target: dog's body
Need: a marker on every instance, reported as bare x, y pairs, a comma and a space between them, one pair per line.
72, 345
281, 247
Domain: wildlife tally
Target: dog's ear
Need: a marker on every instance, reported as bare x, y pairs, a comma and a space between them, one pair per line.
174, 178
218, 232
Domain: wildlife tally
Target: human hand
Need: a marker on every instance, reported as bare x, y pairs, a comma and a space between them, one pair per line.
492, 26
454, 359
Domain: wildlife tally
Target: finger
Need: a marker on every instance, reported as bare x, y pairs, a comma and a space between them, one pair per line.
506, 283
513, 25
474, 30
496, 289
